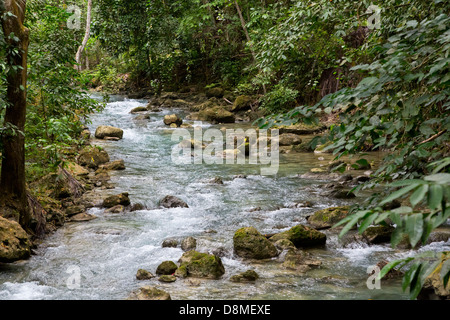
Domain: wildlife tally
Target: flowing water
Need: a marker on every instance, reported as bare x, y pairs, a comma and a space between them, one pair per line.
108, 251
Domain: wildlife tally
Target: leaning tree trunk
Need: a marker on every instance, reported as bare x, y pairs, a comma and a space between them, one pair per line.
13, 196
86, 36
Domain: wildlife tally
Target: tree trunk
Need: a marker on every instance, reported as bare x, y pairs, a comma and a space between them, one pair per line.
13, 196
247, 36
86, 36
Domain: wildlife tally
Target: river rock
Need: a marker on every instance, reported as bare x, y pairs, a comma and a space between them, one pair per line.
249, 243
216, 115
301, 236
215, 93
170, 243
188, 243
116, 209
327, 218
167, 278
433, 288
73, 210
299, 261
247, 276
120, 199
82, 217
242, 103
142, 117
200, 265
378, 234
76, 170
173, 119
166, 267
139, 109
284, 244
302, 129
14, 242
289, 139
144, 275
93, 157
103, 132
339, 193
150, 293
116, 165
441, 234
173, 202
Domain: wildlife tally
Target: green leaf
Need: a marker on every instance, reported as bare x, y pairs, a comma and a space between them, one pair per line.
367, 222
399, 193
435, 196
445, 272
441, 178
409, 276
391, 265
414, 228
418, 195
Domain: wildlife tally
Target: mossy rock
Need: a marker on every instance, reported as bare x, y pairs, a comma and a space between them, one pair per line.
167, 278
216, 115
304, 147
144, 275
200, 265
249, 243
301, 236
327, 218
302, 129
92, 157
120, 199
14, 242
216, 92
247, 276
166, 268
242, 103
378, 234
289, 139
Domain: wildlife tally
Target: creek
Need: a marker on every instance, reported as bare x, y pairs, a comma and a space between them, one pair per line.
109, 250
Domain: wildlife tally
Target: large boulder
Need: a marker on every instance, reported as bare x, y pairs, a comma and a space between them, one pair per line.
93, 157
173, 202
14, 242
120, 199
327, 218
200, 265
103, 132
301, 236
216, 115
150, 293
249, 243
